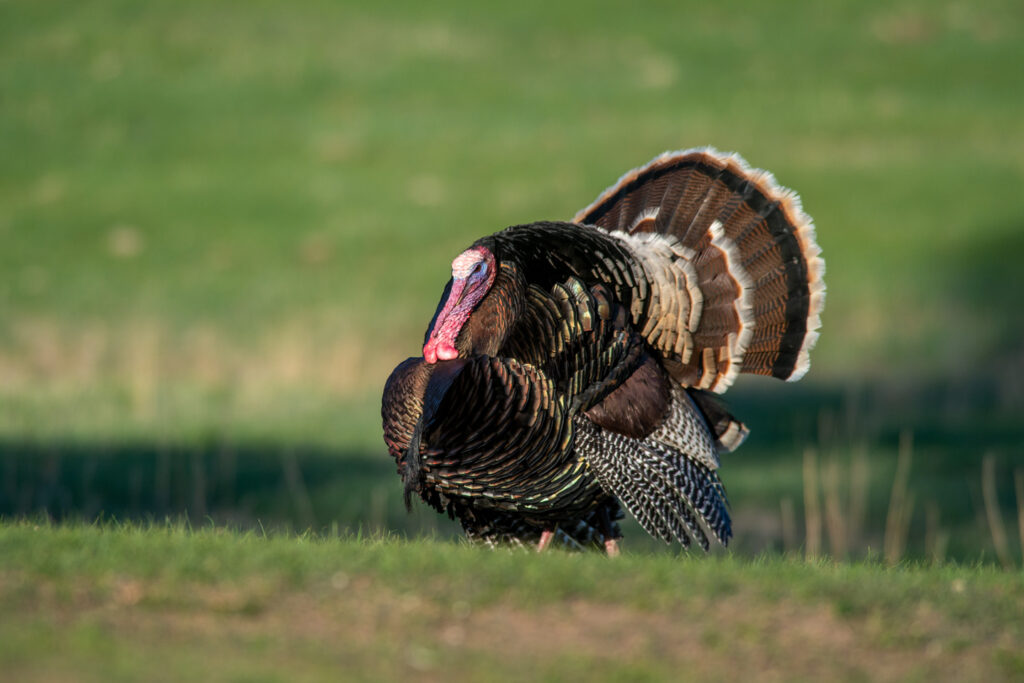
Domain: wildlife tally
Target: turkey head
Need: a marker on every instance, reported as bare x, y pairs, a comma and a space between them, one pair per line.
478, 307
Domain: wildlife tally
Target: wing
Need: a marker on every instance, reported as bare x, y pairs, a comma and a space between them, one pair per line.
649, 445
668, 480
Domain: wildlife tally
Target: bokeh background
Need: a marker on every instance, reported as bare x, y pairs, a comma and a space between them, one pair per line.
223, 223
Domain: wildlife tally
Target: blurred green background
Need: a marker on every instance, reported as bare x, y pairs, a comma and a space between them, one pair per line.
223, 223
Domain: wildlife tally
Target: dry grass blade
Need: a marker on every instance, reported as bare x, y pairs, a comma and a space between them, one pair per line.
935, 540
297, 489
995, 520
812, 508
859, 481
900, 505
379, 508
837, 533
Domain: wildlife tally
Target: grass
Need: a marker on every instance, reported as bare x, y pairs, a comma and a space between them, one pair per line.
292, 485
223, 223
158, 601
244, 184
222, 226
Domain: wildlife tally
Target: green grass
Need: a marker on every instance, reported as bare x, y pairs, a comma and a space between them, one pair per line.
165, 602
223, 223
315, 167
296, 485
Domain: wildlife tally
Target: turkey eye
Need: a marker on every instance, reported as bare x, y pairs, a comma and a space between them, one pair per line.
478, 268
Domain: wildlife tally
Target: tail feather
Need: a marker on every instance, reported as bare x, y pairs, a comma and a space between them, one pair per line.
729, 432
756, 304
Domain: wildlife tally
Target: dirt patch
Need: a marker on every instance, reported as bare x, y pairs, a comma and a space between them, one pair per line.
357, 622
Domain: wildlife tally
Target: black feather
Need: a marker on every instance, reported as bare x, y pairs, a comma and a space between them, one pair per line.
412, 466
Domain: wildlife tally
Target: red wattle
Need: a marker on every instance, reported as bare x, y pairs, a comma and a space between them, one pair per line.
429, 352
436, 349
446, 351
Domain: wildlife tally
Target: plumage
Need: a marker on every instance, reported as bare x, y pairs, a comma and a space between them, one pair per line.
572, 367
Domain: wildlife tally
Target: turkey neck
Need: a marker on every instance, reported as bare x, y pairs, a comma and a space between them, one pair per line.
494, 317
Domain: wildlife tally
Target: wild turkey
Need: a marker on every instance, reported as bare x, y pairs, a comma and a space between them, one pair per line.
571, 367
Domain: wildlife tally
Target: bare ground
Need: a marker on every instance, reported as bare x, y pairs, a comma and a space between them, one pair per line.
360, 628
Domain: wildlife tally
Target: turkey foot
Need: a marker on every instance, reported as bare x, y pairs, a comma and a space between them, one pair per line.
611, 544
545, 540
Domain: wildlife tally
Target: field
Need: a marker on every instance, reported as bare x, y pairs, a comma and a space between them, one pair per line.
166, 603
223, 223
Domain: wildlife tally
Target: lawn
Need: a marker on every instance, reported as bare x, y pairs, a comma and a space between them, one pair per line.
157, 603
222, 224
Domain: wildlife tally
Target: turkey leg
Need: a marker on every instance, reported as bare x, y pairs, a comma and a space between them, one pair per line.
611, 544
545, 539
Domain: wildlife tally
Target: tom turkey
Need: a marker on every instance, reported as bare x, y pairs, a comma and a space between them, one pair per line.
572, 367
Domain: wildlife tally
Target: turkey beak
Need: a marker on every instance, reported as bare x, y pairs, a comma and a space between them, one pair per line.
459, 291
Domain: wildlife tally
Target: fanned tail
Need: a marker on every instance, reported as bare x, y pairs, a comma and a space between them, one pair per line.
736, 270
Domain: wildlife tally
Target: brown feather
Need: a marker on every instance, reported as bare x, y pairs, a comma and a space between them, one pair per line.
637, 406
761, 278
402, 404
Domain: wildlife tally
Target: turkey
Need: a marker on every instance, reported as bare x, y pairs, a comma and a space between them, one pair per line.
572, 369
